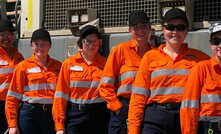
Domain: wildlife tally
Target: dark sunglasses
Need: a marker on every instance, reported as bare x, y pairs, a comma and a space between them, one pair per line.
172, 27
215, 41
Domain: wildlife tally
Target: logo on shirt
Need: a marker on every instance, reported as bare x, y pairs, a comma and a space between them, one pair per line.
34, 70
3, 62
76, 68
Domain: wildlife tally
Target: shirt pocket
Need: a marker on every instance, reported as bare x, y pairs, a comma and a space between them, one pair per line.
211, 85
157, 65
35, 77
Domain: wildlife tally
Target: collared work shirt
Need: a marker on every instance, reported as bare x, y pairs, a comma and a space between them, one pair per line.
202, 96
31, 83
160, 79
77, 83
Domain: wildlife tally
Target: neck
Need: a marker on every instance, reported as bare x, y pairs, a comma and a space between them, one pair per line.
89, 58
42, 60
143, 47
172, 51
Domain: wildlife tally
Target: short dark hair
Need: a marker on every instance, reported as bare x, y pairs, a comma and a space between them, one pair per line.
138, 17
41, 34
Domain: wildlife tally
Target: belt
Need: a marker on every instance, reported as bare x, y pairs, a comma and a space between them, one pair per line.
211, 126
84, 107
45, 107
166, 106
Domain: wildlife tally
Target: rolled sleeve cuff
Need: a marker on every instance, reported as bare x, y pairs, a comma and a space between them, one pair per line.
115, 105
59, 126
12, 124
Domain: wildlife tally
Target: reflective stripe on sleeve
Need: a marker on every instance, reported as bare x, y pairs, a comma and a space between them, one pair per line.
4, 85
161, 72
210, 118
108, 80
210, 98
140, 90
125, 75
124, 88
14, 94
190, 104
59, 94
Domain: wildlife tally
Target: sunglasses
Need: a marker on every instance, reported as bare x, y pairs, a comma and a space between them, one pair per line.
171, 27
215, 41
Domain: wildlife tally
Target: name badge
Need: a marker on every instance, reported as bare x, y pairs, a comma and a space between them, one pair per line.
34, 70
76, 68
3, 62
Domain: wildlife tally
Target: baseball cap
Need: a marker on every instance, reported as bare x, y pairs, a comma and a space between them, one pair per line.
41, 34
138, 17
89, 29
6, 25
175, 13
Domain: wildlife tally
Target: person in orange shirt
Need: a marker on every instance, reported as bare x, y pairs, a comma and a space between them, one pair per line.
201, 104
9, 58
158, 87
77, 107
120, 70
33, 84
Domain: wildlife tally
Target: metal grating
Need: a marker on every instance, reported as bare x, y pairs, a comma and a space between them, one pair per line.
207, 10
113, 13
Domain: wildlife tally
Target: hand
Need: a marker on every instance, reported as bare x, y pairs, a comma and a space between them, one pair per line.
60, 132
14, 130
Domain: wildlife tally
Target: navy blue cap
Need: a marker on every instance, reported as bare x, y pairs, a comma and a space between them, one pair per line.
41, 34
89, 29
6, 25
138, 17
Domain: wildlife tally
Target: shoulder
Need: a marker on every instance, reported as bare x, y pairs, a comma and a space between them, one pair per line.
197, 54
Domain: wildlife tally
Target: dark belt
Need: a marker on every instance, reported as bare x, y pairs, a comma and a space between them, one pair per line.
84, 107
45, 107
166, 106
210, 126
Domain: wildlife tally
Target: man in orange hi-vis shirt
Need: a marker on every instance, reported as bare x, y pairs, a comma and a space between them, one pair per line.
158, 87
120, 70
9, 58
201, 104
78, 108
33, 86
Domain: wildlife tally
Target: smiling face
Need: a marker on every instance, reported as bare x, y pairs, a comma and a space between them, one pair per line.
91, 44
216, 44
40, 48
174, 33
140, 31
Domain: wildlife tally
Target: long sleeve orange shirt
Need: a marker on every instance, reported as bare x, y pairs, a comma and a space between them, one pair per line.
7, 66
202, 96
32, 83
77, 83
119, 74
160, 79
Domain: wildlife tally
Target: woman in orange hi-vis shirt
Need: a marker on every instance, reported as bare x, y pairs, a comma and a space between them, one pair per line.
77, 107
9, 58
201, 104
33, 86
158, 87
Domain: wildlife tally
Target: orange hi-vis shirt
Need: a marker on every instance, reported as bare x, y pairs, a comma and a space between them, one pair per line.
119, 74
202, 96
31, 83
160, 79
77, 83
7, 66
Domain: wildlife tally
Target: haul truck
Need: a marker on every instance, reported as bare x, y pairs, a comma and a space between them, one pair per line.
62, 18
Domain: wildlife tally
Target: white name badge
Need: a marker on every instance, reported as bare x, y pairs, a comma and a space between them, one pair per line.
76, 68
3, 62
34, 70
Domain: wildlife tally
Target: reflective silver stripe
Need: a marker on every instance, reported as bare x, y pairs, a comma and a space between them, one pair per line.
190, 104
90, 101
124, 88
14, 94
140, 90
59, 94
108, 80
4, 85
87, 84
157, 73
125, 75
166, 91
6, 70
210, 98
42, 86
37, 100
210, 118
